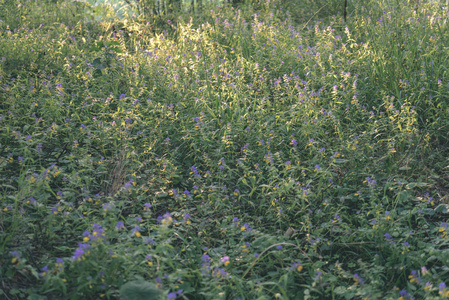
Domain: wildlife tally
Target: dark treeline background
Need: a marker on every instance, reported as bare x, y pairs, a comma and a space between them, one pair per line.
301, 10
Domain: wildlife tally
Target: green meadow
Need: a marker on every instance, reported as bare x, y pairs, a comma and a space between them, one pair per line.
260, 149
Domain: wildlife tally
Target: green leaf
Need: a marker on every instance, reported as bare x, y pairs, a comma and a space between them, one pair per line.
412, 185
97, 73
116, 49
340, 290
403, 196
187, 288
139, 290
340, 160
10, 187
96, 62
36, 297
442, 208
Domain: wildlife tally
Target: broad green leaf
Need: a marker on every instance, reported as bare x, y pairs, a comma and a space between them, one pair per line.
139, 290
97, 73
340, 160
96, 62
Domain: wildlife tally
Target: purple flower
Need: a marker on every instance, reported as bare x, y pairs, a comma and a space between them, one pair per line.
98, 233
136, 231
414, 277
80, 251
120, 225
186, 218
245, 227
206, 263
59, 264
297, 266
370, 181
337, 218
219, 273
32, 200
15, 256
172, 295
107, 206
358, 279
158, 282
205, 258
224, 260
55, 209
388, 238
148, 241
44, 271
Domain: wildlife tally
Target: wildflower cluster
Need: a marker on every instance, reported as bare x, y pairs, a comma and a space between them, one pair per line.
284, 137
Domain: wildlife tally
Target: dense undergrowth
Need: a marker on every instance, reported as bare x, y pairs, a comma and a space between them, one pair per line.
244, 153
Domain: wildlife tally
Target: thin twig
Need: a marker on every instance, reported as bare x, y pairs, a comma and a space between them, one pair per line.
355, 243
6, 295
130, 4
345, 11
263, 252
314, 16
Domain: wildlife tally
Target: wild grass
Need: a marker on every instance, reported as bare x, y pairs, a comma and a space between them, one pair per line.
267, 150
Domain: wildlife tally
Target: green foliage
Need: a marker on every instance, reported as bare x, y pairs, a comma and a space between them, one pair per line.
139, 289
263, 151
